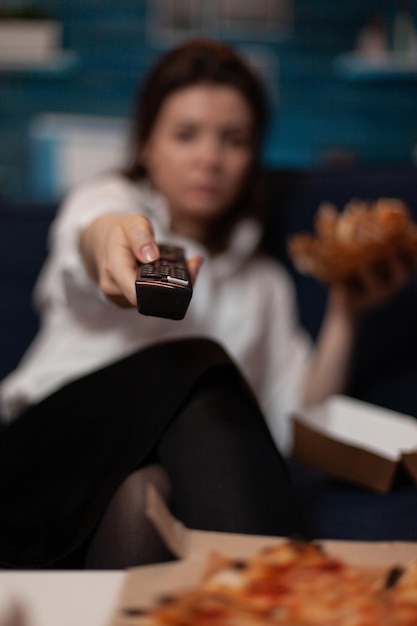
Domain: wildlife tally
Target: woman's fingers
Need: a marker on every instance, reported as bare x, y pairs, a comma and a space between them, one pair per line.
377, 284
113, 245
118, 280
140, 237
132, 240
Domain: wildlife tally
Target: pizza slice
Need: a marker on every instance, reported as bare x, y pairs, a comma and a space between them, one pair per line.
298, 583
290, 584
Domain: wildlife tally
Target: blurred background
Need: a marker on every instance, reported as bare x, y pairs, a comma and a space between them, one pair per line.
342, 78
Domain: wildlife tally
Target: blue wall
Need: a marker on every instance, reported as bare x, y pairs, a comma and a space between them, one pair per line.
320, 114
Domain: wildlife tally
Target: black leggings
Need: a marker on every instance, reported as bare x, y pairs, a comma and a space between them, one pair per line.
224, 467
218, 467
182, 405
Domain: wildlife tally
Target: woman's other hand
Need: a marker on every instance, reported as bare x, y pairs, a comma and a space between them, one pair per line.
111, 246
330, 367
373, 287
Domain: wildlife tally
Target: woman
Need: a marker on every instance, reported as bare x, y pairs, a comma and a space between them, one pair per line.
104, 392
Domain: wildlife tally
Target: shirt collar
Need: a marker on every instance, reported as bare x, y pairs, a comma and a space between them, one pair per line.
245, 236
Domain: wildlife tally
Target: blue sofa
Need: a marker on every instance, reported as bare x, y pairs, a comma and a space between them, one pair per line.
384, 369
385, 363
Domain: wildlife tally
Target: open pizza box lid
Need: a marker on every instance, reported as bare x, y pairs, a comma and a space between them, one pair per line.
358, 442
144, 585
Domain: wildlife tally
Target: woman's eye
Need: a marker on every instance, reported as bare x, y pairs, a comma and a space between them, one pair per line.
185, 134
236, 140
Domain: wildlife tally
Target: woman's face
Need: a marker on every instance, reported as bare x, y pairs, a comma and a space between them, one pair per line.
199, 153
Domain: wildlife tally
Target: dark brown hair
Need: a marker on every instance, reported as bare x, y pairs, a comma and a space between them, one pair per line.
199, 61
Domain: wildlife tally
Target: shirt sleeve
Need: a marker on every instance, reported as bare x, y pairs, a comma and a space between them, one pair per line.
63, 277
288, 351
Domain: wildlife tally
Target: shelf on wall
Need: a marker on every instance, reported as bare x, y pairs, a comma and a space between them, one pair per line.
390, 67
58, 64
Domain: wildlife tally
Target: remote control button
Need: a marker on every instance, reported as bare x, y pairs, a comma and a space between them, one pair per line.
177, 281
180, 273
148, 271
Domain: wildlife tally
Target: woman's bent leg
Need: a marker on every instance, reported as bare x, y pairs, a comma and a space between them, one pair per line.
226, 472
125, 537
62, 463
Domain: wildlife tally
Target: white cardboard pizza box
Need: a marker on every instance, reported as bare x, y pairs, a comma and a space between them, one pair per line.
144, 585
58, 598
356, 441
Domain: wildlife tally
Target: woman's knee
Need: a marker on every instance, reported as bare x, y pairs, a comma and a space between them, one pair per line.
135, 486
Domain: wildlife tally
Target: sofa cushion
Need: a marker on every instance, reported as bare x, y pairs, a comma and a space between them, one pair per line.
23, 236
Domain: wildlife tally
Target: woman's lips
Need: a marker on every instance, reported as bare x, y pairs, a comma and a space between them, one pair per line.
206, 189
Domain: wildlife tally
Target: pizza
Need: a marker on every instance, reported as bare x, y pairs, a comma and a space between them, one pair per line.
290, 584
358, 239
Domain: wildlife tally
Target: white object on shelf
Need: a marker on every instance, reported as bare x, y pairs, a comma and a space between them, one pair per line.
404, 36
390, 66
56, 63
66, 150
30, 40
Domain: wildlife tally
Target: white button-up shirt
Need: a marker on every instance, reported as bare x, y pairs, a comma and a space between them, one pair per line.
246, 302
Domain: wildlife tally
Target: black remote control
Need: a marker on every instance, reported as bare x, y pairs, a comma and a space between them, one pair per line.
163, 287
